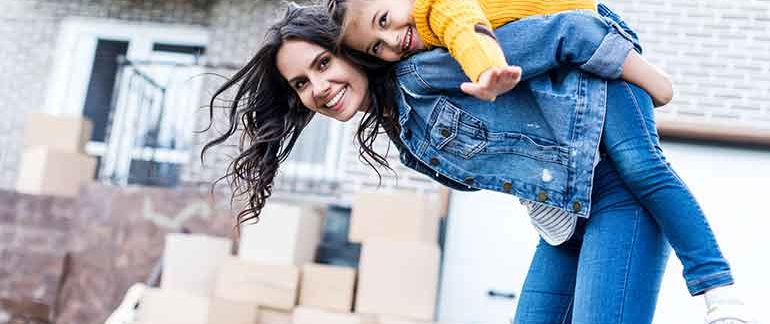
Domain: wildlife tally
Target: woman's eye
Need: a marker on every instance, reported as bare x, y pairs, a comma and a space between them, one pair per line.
299, 85
376, 48
324, 62
383, 20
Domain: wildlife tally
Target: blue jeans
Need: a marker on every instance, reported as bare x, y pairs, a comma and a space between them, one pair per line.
631, 141
609, 272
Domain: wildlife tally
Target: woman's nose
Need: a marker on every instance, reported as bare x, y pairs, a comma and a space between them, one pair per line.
321, 88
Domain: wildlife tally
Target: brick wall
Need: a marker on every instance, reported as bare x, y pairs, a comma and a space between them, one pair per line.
717, 51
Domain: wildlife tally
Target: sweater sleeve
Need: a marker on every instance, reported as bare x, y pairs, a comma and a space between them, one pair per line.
462, 27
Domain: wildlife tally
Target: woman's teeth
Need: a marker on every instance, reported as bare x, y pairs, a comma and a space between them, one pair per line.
336, 98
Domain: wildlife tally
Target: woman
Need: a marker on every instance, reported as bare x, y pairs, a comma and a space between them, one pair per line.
610, 267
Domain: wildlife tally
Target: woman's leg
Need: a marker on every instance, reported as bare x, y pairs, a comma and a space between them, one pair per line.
609, 272
622, 259
631, 141
549, 289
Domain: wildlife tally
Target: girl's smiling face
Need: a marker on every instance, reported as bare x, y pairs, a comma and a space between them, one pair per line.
324, 82
381, 28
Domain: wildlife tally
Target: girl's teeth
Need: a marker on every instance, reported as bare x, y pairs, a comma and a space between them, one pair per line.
408, 39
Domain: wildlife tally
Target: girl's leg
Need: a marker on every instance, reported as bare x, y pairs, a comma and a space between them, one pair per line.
622, 259
548, 291
631, 141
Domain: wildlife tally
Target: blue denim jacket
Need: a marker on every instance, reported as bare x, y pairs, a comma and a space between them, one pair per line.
539, 141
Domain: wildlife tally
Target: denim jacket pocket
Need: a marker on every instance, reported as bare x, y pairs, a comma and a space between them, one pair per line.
530, 146
457, 132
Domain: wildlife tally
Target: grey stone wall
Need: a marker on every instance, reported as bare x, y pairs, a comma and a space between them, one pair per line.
113, 236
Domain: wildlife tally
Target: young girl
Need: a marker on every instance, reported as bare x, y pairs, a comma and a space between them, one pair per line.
386, 29
394, 29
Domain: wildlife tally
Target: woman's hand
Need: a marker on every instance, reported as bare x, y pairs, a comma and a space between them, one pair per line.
493, 82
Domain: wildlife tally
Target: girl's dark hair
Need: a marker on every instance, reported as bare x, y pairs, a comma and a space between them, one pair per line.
270, 116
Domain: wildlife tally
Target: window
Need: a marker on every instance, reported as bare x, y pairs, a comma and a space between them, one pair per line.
143, 106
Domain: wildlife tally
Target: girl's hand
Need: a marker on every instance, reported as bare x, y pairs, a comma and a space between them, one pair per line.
493, 82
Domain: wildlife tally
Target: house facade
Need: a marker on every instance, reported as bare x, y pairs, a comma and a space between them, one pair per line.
60, 57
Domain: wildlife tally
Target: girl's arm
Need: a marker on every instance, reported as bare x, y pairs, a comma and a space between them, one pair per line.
462, 28
539, 44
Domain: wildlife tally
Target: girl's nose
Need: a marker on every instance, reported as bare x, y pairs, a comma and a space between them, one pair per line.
392, 40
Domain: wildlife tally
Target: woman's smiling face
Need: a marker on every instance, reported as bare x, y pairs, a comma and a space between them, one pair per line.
325, 83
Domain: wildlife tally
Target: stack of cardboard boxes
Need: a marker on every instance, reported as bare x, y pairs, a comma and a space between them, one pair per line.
400, 258
273, 279
54, 160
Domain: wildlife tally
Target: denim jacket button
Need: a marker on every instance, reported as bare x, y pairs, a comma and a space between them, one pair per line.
507, 186
434, 161
577, 206
542, 196
469, 180
445, 132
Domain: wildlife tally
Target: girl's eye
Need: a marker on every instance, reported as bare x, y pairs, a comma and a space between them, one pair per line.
376, 48
299, 85
383, 20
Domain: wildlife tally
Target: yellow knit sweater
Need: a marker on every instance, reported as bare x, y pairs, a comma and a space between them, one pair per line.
452, 24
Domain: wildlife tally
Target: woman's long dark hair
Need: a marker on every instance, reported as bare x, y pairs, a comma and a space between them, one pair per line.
271, 117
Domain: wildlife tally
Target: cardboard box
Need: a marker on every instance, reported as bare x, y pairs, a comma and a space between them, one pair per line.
170, 307
271, 286
285, 235
191, 262
398, 278
327, 287
399, 216
269, 316
61, 133
45, 171
229, 312
310, 315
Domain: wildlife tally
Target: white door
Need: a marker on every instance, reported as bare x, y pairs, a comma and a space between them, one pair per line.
731, 185
490, 242
489, 246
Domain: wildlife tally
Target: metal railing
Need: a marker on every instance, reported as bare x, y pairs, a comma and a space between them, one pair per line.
145, 135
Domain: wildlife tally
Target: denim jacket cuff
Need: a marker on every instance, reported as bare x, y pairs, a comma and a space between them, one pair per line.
607, 61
